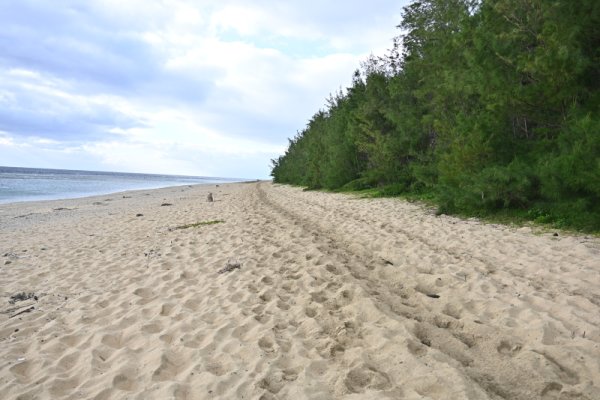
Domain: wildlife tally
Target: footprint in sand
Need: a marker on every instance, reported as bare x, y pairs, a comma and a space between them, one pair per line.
100, 358
441, 322
262, 318
166, 309
452, 311
415, 348
216, 368
291, 374
182, 392
267, 280
23, 371
366, 376
336, 349
266, 296
61, 387
332, 269
168, 368
144, 293
68, 362
114, 341
287, 287
237, 297
266, 344
152, 328
466, 339
273, 384
275, 381
125, 381
318, 297
422, 333
344, 297
192, 304
72, 340
508, 348
564, 373
551, 391
283, 305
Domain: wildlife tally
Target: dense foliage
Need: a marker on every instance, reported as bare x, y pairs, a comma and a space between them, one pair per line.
484, 106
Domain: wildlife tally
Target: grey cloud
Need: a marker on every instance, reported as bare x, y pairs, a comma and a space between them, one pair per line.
63, 43
24, 113
350, 20
92, 50
89, 52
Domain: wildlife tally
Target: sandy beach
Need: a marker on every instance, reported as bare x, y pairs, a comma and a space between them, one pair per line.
270, 292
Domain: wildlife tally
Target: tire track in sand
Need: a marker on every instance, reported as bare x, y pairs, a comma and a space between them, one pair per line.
483, 353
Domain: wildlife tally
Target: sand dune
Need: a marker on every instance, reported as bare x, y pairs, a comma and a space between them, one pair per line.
335, 298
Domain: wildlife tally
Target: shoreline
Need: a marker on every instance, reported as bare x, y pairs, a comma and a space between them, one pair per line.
271, 292
94, 196
90, 183
116, 193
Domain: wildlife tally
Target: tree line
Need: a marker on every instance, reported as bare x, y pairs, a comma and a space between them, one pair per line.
483, 106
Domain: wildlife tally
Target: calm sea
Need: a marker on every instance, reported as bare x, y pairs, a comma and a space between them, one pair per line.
27, 184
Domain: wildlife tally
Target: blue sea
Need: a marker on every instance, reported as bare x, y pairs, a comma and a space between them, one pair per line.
29, 184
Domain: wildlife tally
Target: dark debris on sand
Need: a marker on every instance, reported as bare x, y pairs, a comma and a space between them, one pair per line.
231, 265
22, 297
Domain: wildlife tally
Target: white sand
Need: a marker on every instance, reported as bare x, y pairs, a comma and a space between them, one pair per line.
331, 301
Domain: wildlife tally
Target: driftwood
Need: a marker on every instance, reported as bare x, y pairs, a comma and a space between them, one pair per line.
30, 309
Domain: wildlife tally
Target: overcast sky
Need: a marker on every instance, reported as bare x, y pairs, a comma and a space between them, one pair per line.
204, 87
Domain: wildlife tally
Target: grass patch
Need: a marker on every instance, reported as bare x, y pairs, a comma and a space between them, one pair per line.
199, 224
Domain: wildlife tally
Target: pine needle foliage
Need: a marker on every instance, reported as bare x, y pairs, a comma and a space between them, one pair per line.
486, 107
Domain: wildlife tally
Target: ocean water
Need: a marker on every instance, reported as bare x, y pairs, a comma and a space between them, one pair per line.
28, 184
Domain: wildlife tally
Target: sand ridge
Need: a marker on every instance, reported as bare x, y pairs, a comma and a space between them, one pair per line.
336, 298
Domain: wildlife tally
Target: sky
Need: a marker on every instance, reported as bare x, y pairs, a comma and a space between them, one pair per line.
205, 88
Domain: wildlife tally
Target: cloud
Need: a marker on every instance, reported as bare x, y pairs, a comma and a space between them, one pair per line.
34, 105
143, 154
197, 86
344, 26
97, 47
